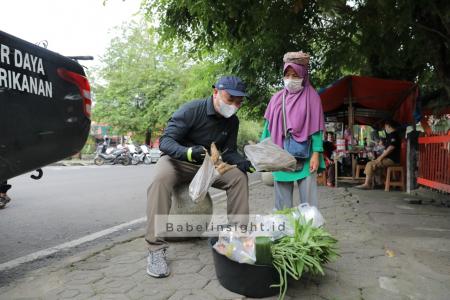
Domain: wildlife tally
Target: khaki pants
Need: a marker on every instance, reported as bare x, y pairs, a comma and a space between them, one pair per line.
373, 166
170, 173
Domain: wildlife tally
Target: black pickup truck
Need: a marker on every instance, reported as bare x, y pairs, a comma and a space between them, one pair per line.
45, 106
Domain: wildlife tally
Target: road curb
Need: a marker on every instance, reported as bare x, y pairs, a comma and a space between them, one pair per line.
65, 260
97, 249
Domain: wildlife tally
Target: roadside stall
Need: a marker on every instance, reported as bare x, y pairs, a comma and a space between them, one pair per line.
358, 100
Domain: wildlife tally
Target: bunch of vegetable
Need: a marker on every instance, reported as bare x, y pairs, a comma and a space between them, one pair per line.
302, 247
306, 251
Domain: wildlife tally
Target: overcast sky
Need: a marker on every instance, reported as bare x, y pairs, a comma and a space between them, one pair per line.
71, 27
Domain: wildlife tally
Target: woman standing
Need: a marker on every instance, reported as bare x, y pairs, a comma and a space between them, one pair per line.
304, 120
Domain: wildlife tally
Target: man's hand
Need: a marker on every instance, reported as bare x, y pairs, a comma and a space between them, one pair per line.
222, 167
385, 153
314, 162
246, 166
196, 154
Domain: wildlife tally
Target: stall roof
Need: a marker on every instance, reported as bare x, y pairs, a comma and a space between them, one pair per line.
372, 99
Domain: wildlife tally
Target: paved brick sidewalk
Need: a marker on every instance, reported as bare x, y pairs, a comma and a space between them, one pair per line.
390, 250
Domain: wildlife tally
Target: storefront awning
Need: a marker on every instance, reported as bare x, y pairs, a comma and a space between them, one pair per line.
368, 100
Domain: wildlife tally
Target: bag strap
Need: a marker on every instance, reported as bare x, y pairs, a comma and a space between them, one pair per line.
284, 115
285, 131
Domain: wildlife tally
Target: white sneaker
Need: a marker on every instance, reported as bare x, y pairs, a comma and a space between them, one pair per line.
157, 264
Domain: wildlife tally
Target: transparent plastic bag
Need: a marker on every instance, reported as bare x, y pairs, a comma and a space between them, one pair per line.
267, 156
203, 180
274, 226
311, 212
237, 247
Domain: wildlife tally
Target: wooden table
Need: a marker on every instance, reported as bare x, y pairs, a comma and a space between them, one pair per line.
353, 154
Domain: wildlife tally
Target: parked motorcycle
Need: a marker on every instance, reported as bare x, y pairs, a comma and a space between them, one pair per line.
118, 156
155, 155
140, 155
147, 158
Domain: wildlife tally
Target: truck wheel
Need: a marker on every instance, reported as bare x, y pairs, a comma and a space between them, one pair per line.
99, 161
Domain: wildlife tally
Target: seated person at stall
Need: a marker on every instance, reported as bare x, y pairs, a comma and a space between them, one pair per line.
379, 147
375, 149
389, 157
328, 148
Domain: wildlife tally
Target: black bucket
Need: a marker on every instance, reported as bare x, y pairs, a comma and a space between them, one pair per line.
252, 281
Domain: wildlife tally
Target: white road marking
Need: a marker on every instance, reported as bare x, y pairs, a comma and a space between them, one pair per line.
52, 250
405, 207
49, 251
431, 229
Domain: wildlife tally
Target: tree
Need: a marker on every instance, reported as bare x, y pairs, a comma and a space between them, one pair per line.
400, 39
140, 83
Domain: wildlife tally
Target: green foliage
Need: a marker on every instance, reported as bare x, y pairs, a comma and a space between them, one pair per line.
440, 124
248, 131
141, 83
401, 39
89, 147
193, 83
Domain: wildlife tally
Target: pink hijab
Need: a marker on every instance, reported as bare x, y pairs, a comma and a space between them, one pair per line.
304, 113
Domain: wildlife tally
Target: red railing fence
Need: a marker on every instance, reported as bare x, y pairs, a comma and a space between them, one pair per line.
434, 161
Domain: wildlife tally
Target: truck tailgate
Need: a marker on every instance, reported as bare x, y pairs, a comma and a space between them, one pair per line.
44, 114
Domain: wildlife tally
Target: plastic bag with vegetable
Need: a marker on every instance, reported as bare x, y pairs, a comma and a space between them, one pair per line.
236, 246
267, 156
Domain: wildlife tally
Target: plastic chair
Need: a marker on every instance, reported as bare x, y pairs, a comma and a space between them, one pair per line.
390, 182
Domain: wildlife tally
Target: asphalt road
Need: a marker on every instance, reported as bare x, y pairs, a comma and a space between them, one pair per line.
69, 203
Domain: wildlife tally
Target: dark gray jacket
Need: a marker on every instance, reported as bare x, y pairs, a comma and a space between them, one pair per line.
198, 123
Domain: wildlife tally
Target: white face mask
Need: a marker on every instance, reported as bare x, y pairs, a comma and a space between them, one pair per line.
226, 110
293, 85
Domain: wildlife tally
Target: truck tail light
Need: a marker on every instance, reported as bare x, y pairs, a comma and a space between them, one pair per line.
83, 85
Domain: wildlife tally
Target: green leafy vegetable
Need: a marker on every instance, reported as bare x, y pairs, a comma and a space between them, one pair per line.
307, 251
